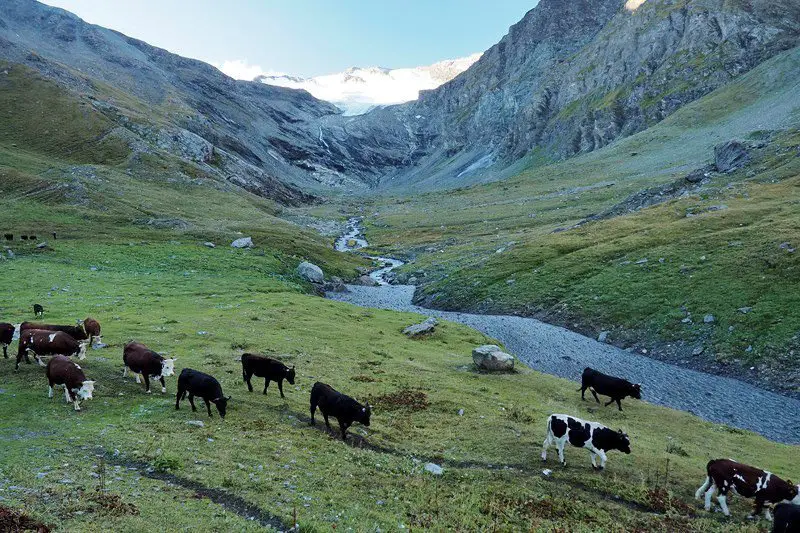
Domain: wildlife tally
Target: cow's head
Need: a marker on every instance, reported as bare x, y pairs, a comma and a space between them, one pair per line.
86, 390
82, 350
622, 442
364, 415
222, 405
794, 492
290, 375
636, 391
168, 367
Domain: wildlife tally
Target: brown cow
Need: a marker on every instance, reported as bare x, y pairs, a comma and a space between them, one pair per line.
42, 342
142, 360
76, 332
92, 328
725, 475
63, 371
6, 336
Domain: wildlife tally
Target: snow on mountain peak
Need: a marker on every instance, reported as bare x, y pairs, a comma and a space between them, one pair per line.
357, 90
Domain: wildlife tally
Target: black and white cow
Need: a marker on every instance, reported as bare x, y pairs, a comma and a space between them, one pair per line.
142, 360
38, 310
340, 406
596, 438
615, 388
726, 475
267, 368
196, 383
787, 518
64, 371
6, 336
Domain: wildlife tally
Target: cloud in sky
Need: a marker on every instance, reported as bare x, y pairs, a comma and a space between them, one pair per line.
241, 69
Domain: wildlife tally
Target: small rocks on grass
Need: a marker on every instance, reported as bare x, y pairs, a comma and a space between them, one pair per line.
709, 319
491, 357
602, 337
783, 246
745, 310
434, 469
546, 472
460, 412
686, 320
209, 244
43, 245
698, 351
424, 328
244, 242
641, 261
198, 423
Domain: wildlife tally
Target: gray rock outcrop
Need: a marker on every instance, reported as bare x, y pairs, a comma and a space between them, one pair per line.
310, 272
244, 242
491, 357
424, 328
730, 156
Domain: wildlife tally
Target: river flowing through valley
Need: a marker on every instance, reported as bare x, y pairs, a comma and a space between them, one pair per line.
558, 351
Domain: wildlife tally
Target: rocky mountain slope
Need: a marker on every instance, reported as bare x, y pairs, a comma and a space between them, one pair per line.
359, 90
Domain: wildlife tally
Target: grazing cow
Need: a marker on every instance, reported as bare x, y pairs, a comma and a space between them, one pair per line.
196, 383
596, 438
142, 360
615, 388
63, 371
340, 406
91, 328
42, 342
6, 336
31, 237
725, 475
787, 518
76, 332
9, 236
38, 310
267, 368
23, 237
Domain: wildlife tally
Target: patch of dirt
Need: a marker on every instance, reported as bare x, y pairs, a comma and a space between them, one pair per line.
661, 501
112, 504
12, 521
406, 399
364, 379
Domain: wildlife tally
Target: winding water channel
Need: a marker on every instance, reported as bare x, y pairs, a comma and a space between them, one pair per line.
558, 351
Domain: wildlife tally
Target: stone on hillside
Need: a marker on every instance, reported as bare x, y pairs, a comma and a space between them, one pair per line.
42, 245
434, 469
244, 242
366, 281
698, 351
603, 336
696, 176
730, 156
335, 285
491, 357
310, 272
745, 310
709, 319
209, 244
198, 423
423, 328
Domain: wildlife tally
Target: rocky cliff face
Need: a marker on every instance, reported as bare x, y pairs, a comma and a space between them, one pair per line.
570, 77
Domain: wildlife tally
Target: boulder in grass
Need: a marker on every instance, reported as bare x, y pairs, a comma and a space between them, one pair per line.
244, 242
310, 272
423, 328
491, 357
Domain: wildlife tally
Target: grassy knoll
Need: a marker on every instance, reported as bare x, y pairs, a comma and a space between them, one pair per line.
510, 246
207, 306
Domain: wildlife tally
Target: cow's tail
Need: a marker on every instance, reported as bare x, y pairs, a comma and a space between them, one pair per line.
703, 488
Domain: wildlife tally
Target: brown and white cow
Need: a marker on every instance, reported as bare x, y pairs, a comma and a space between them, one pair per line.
92, 329
595, 437
76, 332
726, 475
142, 360
63, 371
42, 342
6, 336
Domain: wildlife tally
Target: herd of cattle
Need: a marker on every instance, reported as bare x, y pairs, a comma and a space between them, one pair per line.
61, 342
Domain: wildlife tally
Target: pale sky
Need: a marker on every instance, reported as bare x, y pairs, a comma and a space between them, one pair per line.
308, 37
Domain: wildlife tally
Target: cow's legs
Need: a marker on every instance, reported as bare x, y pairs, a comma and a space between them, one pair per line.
757, 510
191, 402
710, 494
595, 395
208, 406
247, 377
313, 411
546, 446
699, 492
619, 405
280, 388
5, 351
768, 514
138, 379
266, 384
77, 403
146, 383
594, 463
163, 385
66, 394
327, 424
560, 445
723, 504
50, 390
583, 393
178, 397
603, 457
344, 427
125, 372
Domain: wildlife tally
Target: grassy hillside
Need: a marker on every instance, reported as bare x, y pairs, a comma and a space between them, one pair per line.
511, 246
206, 307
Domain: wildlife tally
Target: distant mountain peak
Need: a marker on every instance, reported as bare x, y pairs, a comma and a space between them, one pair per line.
357, 90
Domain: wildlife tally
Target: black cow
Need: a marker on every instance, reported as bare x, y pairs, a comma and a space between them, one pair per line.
267, 368
615, 388
38, 310
787, 518
9, 236
196, 383
6, 336
340, 406
727, 476
596, 438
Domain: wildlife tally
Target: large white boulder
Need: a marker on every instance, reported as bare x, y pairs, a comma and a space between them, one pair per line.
310, 272
244, 242
491, 357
